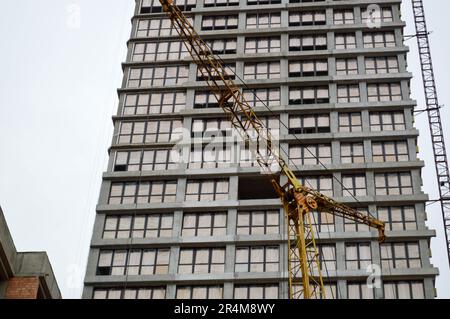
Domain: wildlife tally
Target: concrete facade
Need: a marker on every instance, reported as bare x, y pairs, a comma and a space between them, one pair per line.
123, 265
24, 275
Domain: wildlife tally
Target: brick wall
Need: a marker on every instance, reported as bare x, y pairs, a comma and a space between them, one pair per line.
22, 288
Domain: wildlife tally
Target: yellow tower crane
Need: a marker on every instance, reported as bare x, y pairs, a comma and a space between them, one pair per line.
305, 276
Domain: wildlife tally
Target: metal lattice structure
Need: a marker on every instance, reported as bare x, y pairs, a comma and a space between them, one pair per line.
305, 274
434, 115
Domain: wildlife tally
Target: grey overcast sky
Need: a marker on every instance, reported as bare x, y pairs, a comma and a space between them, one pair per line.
60, 75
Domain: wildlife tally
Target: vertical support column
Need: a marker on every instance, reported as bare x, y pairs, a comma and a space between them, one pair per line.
368, 156
181, 189
240, 45
98, 227
341, 291
331, 43
333, 92
357, 13
230, 252
338, 190
417, 182
177, 224
336, 152
370, 184
412, 149
331, 66
284, 18
284, 43
284, 101
334, 122
228, 290
402, 63
91, 268
365, 116
430, 291
174, 259
190, 99
359, 39
284, 68
231, 221
363, 91
197, 22
361, 67
424, 253
171, 291
242, 22
421, 216
173, 269
341, 286
192, 72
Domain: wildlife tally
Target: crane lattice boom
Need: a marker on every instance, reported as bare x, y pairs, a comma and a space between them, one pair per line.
305, 276
434, 116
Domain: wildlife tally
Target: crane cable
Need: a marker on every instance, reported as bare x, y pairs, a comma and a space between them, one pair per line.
280, 121
287, 127
286, 153
130, 245
225, 66
318, 160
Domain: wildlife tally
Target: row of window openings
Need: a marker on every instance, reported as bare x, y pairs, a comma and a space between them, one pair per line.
221, 156
171, 102
172, 49
273, 20
175, 50
175, 75
191, 260
252, 259
144, 52
268, 291
166, 131
386, 184
154, 6
265, 45
401, 218
355, 290
165, 101
300, 18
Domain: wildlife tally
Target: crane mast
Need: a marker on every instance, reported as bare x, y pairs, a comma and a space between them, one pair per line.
305, 275
434, 116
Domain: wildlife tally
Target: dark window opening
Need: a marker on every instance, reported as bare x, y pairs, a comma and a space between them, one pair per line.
120, 168
103, 271
155, 9
256, 187
213, 104
309, 130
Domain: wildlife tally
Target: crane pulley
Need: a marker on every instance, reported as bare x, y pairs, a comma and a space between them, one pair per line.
305, 276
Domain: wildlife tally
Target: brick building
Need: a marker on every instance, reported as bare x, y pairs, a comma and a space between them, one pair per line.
24, 275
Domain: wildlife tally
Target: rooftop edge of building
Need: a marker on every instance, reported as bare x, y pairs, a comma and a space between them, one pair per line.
14, 264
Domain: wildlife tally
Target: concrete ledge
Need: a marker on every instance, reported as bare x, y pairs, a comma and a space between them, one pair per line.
397, 236
251, 171
254, 204
8, 252
242, 278
37, 264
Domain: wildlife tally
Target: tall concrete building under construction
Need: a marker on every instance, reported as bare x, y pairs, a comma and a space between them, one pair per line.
333, 83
